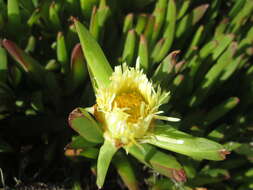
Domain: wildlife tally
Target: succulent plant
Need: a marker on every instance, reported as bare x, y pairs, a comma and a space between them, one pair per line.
199, 51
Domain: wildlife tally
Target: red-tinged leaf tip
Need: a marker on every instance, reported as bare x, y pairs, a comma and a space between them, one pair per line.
234, 47
76, 53
225, 21
195, 48
223, 153
152, 17
232, 36
53, 4
237, 100
74, 114
143, 39
227, 176
161, 41
179, 65
174, 56
204, 7
59, 35
156, 27
74, 19
176, 174
130, 15
94, 10
143, 14
132, 31
181, 77
179, 175
12, 48
94, 171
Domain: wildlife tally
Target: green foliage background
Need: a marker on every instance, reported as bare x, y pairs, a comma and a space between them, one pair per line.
43, 78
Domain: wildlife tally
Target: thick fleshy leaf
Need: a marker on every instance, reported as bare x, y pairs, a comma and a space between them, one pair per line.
78, 69
212, 76
165, 136
226, 40
128, 23
29, 65
169, 31
85, 125
14, 17
62, 54
183, 7
106, 153
159, 14
141, 23
143, 53
238, 5
220, 110
87, 6
90, 152
165, 71
79, 146
198, 36
98, 65
163, 163
54, 17
31, 44
125, 170
129, 48
98, 20
80, 142
148, 31
3, 65
190, 19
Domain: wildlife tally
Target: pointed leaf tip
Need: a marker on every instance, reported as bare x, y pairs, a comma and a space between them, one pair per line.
76, 53
224, 153
85, 125
12, 48
179, 175
98, 65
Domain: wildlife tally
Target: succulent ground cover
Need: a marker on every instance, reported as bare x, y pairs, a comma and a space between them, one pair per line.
199, 51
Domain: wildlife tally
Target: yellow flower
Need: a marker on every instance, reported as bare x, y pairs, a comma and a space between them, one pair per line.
128, 106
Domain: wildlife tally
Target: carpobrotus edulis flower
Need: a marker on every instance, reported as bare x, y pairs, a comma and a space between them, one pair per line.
129, 105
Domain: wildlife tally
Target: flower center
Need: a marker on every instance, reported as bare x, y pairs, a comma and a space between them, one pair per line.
132, 101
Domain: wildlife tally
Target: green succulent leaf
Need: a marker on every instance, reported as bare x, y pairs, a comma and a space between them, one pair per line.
90, 152
14, 17
85, 125
87, 6
62, 54
28, 64
78, 69
220, 110
106, 153
97, 63
163, 163
3, 65
169, 32
143, 53
80, 142
165, 136
129, 48
125, 170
